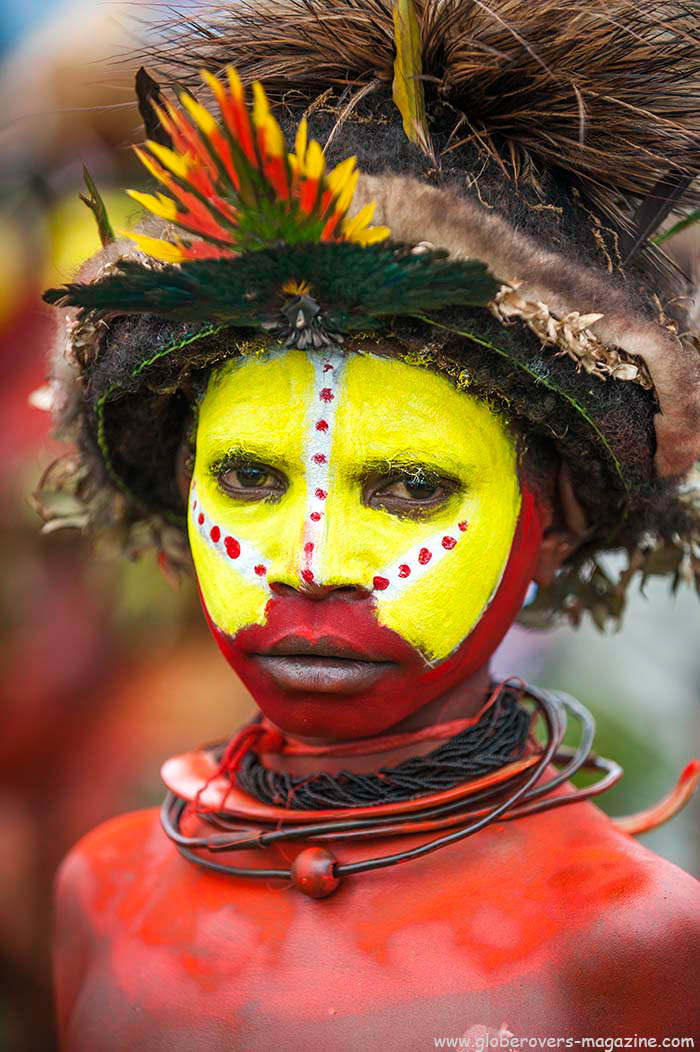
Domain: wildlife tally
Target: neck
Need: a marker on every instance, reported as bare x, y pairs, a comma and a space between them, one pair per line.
462, 701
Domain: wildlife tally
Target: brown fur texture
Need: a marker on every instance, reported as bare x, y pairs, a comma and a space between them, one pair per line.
417, 212
605, 89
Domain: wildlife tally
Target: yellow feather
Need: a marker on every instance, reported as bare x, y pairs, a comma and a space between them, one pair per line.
215, 86
300, 142
353, 226
235, 85
347, 193
372, 235
315, 161
339, 176
163, 251
202, 118
261, 107
263, 119
173, 161
160, 206
149, 164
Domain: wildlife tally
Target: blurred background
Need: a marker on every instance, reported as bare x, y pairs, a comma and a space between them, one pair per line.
106, 669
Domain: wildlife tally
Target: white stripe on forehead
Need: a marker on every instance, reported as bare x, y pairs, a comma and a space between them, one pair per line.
242, 555
328, 370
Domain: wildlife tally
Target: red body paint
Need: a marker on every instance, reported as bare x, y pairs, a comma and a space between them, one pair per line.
557, 925
408, 683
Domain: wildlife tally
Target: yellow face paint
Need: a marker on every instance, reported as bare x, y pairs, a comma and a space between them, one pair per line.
324, 422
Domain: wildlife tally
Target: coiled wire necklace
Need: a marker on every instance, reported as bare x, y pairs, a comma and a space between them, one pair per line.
495, 770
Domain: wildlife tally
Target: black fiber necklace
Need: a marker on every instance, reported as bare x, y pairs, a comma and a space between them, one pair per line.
499, 738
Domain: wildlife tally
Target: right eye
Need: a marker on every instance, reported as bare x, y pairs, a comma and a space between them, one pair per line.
249, 481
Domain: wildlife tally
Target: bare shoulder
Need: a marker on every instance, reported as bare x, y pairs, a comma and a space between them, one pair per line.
92, 881
110, 854
641, 949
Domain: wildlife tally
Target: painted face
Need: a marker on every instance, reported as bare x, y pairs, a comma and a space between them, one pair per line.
352, 521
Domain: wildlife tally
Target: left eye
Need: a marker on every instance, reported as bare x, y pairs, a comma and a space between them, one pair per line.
408, 495
405, 489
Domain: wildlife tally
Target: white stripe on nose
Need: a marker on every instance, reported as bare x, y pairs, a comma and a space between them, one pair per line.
328, 369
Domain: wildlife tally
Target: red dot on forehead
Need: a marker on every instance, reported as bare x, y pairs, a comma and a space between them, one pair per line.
233, 548
404, 570
260, 570
326, 395
424, 556
315, 516
309, 547
463, 525
322, 425
327, 367
321, 494
380, 583
319, 458
307, 575
200, 519
215, 534
194, 504
448, 543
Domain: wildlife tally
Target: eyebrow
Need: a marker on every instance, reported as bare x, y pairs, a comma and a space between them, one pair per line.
442, 465
229, 456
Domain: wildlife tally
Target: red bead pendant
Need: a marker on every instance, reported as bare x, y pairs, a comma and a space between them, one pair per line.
313, 872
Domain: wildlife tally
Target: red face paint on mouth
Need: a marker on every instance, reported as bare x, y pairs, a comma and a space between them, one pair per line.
376, 679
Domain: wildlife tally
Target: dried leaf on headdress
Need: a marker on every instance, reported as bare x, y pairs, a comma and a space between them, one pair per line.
149, 97
97, 207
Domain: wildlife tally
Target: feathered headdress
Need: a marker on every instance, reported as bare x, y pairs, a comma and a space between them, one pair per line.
263, 229
519, 161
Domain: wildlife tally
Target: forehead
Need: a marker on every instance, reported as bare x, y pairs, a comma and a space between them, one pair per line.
381, 406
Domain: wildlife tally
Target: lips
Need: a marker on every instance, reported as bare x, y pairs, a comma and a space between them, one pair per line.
324, 664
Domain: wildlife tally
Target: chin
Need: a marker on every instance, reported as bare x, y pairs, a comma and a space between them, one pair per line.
334, 716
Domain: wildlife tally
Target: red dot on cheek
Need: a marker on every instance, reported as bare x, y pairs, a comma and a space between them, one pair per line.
315, 516
309, 547
321, 494
233, 548
424, 556
319, 458
380, 583
463, 525
260, 570
307, 575
200, 519
215, 534
326, 394
322, 425
404, 570
448, 543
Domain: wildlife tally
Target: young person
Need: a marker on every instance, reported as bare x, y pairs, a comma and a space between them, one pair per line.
376, 408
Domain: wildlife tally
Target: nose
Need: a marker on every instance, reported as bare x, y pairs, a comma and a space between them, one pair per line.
318, 592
